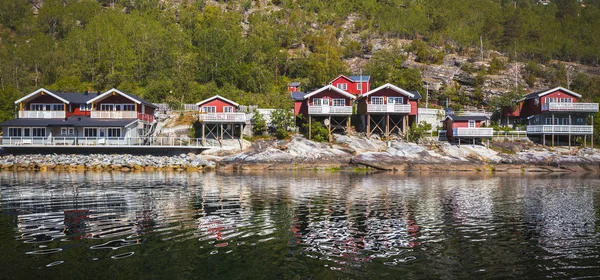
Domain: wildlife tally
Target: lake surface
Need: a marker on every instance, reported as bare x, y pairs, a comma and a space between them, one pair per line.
298, 226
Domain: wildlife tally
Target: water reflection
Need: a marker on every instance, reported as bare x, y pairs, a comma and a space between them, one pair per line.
457, 226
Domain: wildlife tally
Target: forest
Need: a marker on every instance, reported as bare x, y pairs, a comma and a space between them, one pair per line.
181, 51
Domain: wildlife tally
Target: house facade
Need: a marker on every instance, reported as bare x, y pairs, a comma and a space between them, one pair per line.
57, 118
219, 118
465, 128
388, 109
555, 115
355, 85
329, 105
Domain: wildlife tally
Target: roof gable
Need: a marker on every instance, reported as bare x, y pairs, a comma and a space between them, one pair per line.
39, 91
330, 87
135, 99
352, 79
561, 89
217, 97
467, 118
392, 87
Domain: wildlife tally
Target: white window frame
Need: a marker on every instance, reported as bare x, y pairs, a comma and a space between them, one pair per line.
342, 86
359, 86
46, 106
107, 107
579, 120
566, 100
67, 131
128, 107
110, 131
377, 100
12, 130
227, 109
565, 121
338, 102
320, 102
86, 131
551, 100
549, 121
209, 109
85, 107
27, 132
472, 124
35, 131
393, 99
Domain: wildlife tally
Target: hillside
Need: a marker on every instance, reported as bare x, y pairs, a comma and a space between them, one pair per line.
469, 51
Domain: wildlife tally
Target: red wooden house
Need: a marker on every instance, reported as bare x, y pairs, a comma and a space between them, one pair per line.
219, 117
465, 127
388, 109
555, 113
328, 104
352, 84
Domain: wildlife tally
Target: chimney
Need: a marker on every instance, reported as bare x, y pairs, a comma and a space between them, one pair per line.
98, 93
86, 92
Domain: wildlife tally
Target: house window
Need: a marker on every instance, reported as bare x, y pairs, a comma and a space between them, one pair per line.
209, 109
566, 100
359, 86
114, 131
395, 100
39, 131
342, 86
90, 132
565, 121
551, 99
228, 109
550, 122
15, 131
579, 120
378, 100
320, 102
27, 132
339, 102
46, 107
128, 107
58, 107
107, 107
85, 107
471, 123
36, 107
67, 131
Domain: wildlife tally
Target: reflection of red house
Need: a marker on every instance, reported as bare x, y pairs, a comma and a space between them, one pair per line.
76, 224
388, 109
352, 84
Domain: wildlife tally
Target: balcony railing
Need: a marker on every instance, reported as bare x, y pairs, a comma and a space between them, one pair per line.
473, 132
223, 117
114, 114
388, 108
105, 141
560, 129
42, 114
570, 107
330, 110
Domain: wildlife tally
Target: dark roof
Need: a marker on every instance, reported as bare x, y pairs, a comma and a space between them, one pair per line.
76, 97
298, 95
417, 95
360, 78
140, 100
72, 121
534, 94
469, 118
295, 84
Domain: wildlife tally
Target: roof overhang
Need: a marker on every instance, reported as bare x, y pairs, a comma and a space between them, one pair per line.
330, 87
561, 89
392, 87
340, 76
217, 97
108, 92
39, 91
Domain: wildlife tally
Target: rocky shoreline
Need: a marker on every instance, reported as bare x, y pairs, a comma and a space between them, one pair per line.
349, 153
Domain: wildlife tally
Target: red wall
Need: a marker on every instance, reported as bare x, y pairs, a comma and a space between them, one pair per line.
299, 107
414, 106
219, 104
41, 99
352, 86
457, 124
330, 94
528, 107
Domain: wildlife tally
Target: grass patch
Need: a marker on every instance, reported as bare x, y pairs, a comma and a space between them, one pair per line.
332, 169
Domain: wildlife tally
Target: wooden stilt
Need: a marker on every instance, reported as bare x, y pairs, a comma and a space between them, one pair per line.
592, 132
203, 138
570, 130
553, 124
368, 125
387, 127
309, 126
329, 129
584, 140
221, 125
544, 139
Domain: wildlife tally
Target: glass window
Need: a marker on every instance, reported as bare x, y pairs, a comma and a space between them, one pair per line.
27, 132
114, 132
36, 107
339, 102
565, 121
15, 131
550, 122
107, 107
551, 99
580, 120
378, 100
320, 102
395, 100
228, 109
209, 109
102, 132
471, 123
128, 107
58, 107
566, 100
342, 86
90, 132
39, 131
64, 131
85, 107
359, 86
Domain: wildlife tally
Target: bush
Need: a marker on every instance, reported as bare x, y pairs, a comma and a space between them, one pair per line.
259, 125
282, 121
495, 66
417, 131
318, 132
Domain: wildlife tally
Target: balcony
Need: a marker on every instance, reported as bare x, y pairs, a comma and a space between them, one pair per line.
223, 117
473, 132
570, 107
388, 108
42, 114
330, 110
114, 115
560, 129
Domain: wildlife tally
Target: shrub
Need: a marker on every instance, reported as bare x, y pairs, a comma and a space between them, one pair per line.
417, 131
259, 125
495, 66
282, 121
318, 132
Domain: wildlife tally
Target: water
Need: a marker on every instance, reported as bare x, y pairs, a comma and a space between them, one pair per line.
298, 226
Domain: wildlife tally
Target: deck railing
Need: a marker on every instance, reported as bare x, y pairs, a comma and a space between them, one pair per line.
560, 129
114, 114
104, 141
570, 107
222, 117
27, 114
388, 108
473, 132
330, 110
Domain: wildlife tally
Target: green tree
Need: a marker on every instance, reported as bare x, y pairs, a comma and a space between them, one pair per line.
259, 125
282, 121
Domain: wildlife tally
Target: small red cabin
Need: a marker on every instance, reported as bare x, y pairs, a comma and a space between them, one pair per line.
217, 104
328, 100
352, 84
389, 99
466, 126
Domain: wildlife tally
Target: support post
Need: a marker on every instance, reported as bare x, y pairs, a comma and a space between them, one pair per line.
592, 132
203, 139
387, 127
329, 130
221, 125
584, 140
570, 131
309, 126
544, 139
553, 126
368, 125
